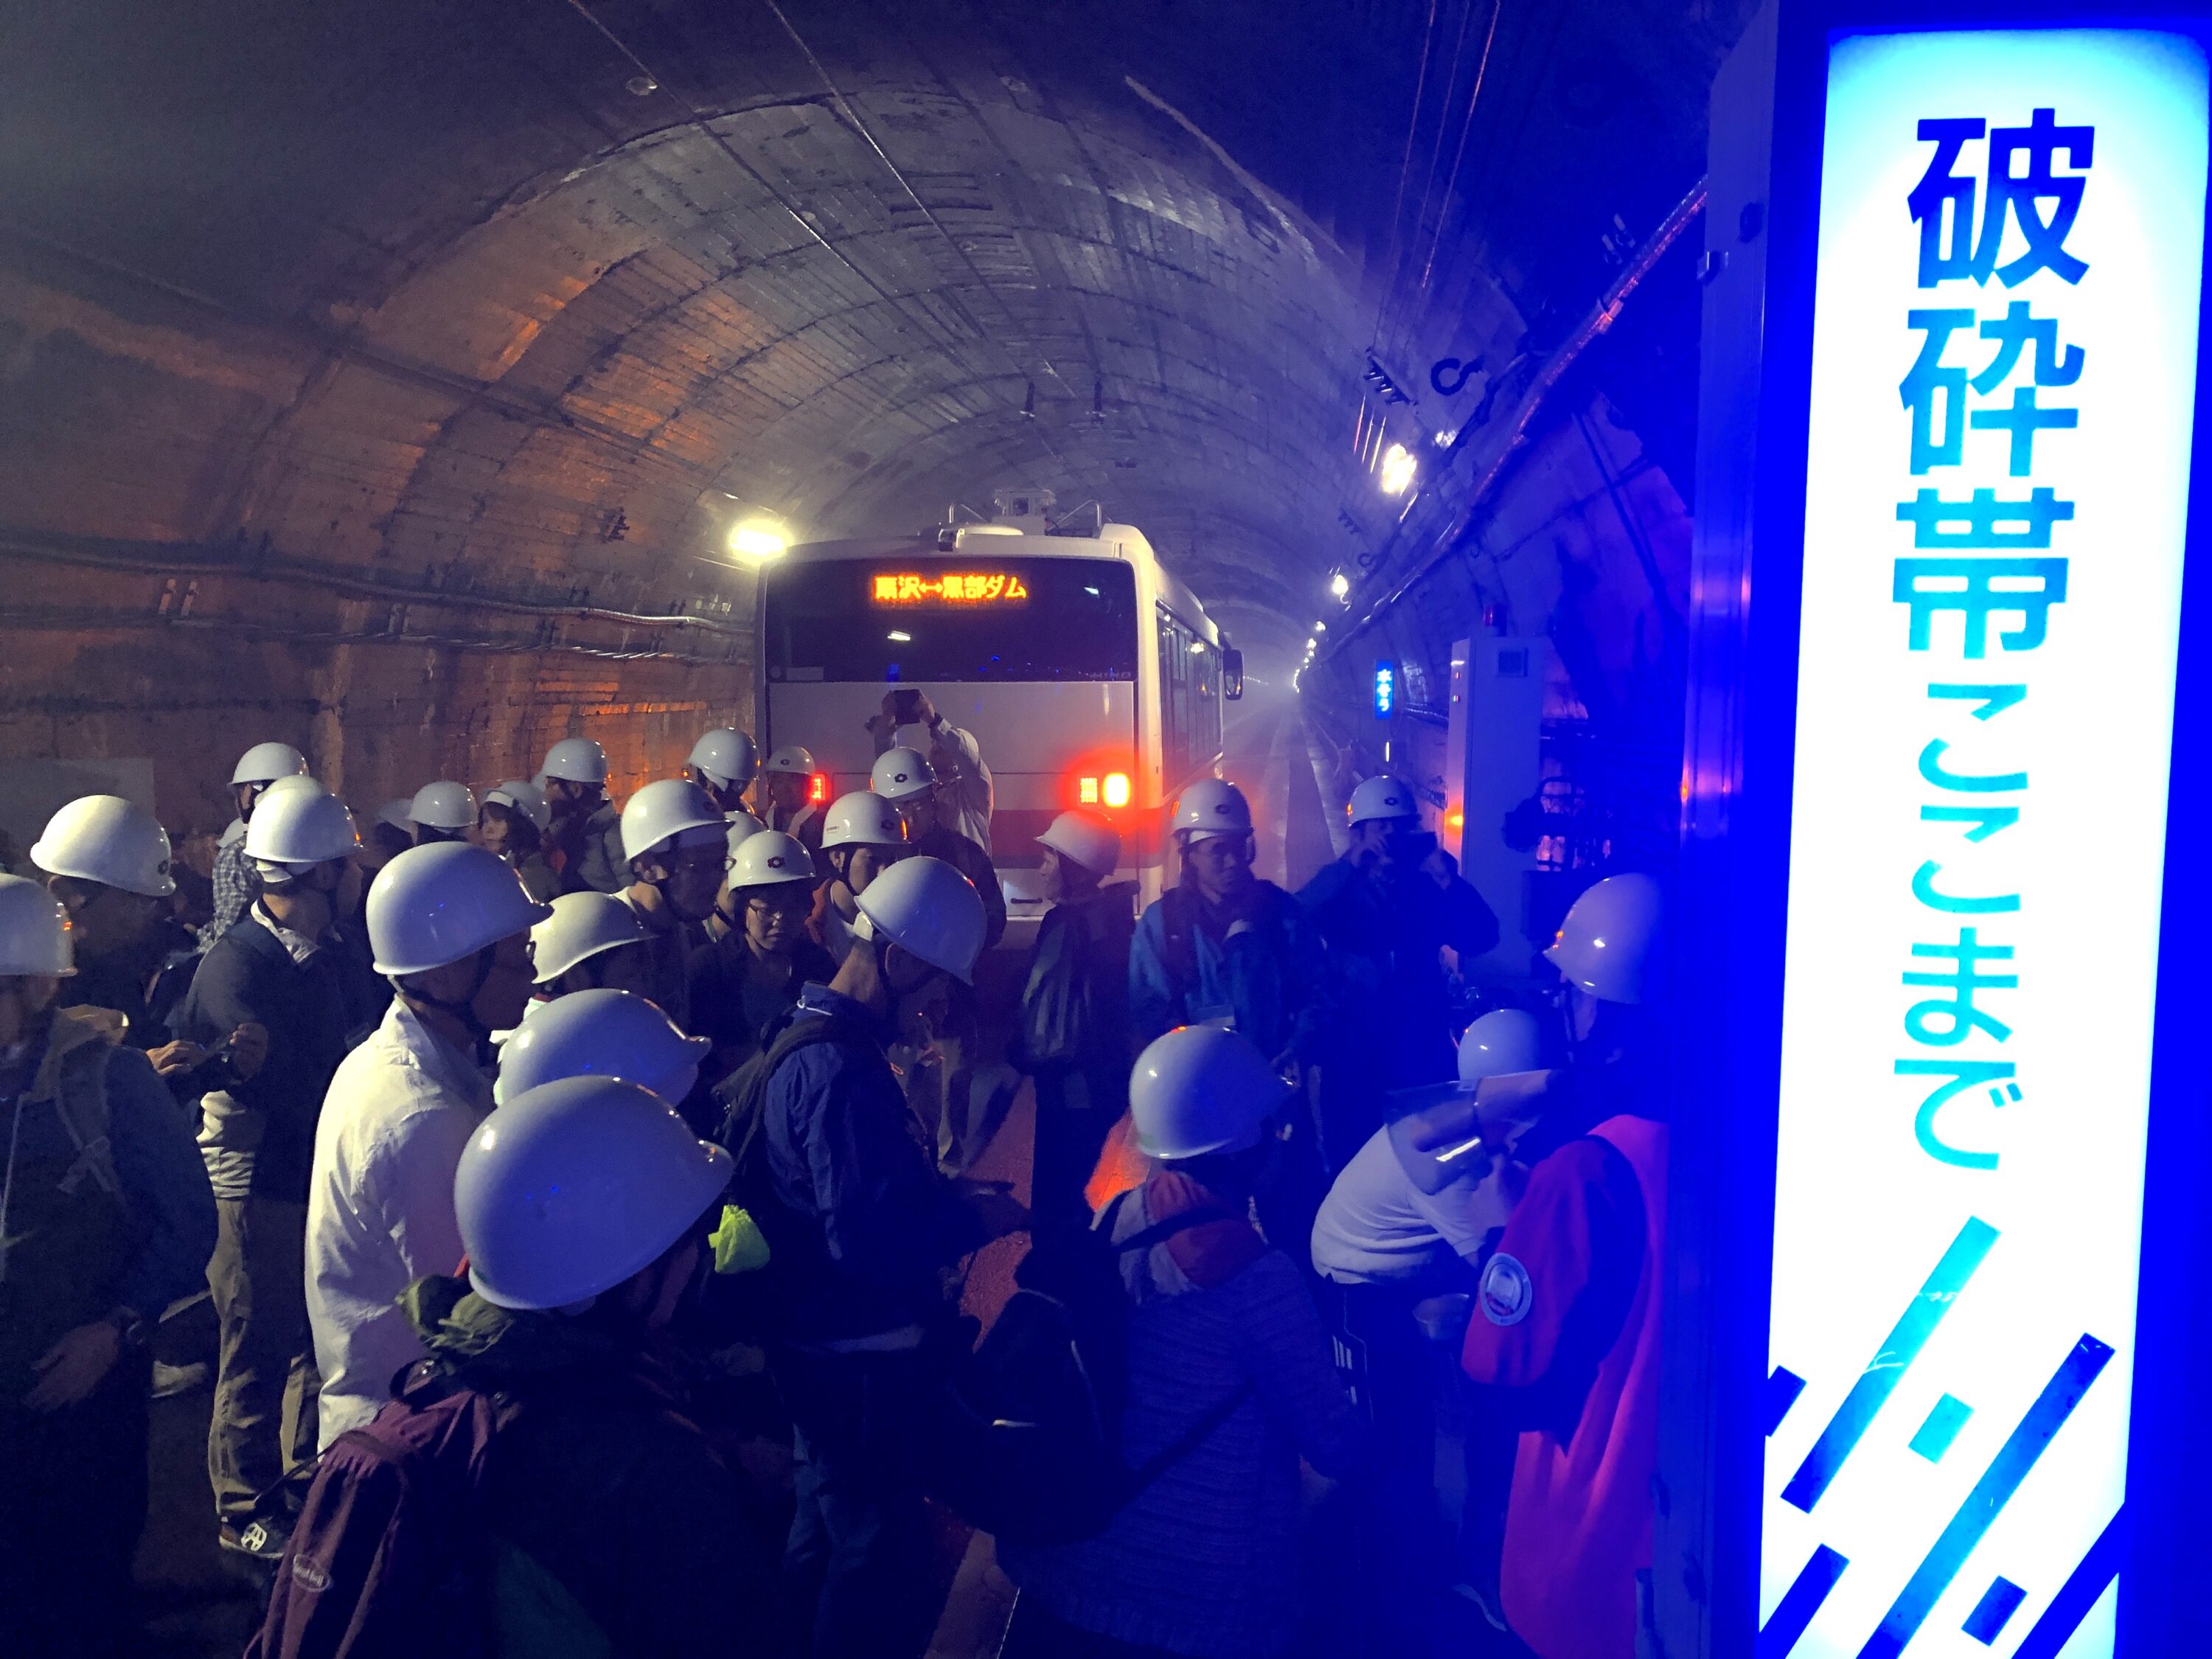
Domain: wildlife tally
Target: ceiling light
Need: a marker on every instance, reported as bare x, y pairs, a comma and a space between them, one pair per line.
1309, 644
898, 637
758, 538
1398, 466
1339, 584
1320, 628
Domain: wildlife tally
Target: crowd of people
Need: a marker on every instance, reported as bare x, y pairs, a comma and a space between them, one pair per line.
583, 1196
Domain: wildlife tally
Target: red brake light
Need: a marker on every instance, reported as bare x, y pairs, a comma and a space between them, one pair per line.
1117, 789
1086, 792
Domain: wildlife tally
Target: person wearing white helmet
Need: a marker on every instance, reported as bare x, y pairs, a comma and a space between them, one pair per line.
906, 778
965, 793
511, 823
291, 968
449, 928
863, 835
1223, 945
1074, 1035
600, 1034
787, 795
108, 860
583, 842
748, 977
257, 768
723, 763
678, 844
1230, 1376
583, 1206
591, 942
1390, 913
1565, 1332
860, 1228
444, 811
107, 1220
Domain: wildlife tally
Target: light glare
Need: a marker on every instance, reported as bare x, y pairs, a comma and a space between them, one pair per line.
758, 538
1397, 469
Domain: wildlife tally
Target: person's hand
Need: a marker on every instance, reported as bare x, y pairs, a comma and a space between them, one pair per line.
924, 711
172, 1058
249, 1050
73, 1367
1440, 867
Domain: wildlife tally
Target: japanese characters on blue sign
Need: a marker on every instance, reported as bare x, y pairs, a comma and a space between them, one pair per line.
1386, 690
2002, 392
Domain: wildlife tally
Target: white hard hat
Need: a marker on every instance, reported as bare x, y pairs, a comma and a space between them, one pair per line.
740, 828
1503, 1040
1383, 797
663, 811
580, 924
1608, 944
862, 818
527, 799
394, 812
602, 1033
1201, 1089
930, 910
291, 782
295, 827
570, 1189
442, 903
790, 758
1088, 839
1211, 807
266, 761
901, 775
578, 760
444, 804
771, 859
109, 840
727, 756
35, 930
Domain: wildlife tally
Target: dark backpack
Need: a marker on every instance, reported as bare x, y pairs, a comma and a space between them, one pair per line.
390, 1555
1027, 1430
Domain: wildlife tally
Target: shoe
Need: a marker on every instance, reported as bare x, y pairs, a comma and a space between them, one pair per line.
261, 1539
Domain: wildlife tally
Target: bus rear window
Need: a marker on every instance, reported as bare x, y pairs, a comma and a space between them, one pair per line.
965, 616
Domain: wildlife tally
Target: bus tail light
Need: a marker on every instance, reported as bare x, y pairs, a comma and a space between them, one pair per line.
1109, 789
817, 789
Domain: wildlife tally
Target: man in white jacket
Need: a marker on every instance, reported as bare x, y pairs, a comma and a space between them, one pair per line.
449, 924
965, 793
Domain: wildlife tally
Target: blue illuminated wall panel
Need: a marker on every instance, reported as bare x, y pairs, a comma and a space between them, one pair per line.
2003, 373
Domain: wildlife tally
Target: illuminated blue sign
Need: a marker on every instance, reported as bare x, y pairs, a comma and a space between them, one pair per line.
2005, 341
1386, 690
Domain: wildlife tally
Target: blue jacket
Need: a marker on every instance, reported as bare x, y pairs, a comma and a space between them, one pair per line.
875, 1222
1184, 967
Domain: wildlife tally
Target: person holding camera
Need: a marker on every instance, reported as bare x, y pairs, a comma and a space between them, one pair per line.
965, 790
1386, 912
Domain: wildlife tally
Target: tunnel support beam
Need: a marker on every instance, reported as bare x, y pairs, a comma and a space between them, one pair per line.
2014, 1306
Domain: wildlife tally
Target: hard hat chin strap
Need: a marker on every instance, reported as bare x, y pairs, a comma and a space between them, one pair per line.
463, 1009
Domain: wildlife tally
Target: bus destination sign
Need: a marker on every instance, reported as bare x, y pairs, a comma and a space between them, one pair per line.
962, 587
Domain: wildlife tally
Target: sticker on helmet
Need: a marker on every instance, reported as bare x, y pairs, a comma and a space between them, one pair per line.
1505, 1294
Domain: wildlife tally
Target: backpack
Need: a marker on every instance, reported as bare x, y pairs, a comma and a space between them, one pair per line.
390, 1555
1025, 1440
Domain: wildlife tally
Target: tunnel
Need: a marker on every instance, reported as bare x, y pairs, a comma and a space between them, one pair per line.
425, 386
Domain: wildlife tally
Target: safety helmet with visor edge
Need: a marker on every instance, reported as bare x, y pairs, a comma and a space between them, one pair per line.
443, 903
1202, 1089
928, 910
581, 927
600, 1033
35, 932
110, 840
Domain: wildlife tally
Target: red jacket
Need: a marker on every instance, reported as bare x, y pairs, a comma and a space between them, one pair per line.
1567, 1316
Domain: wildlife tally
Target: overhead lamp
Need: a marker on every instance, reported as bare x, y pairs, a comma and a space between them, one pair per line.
1309, 644
898, 637
1398, 467
760, 539
1320, 628
1339, 585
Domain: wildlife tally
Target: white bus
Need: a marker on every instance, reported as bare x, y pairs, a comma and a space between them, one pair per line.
1089, 675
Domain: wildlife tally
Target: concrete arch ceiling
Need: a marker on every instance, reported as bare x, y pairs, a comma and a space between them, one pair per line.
848, 262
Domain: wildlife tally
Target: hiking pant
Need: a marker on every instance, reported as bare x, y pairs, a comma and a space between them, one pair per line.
266, 1390
860, 1556
1072, 1123
72, 1504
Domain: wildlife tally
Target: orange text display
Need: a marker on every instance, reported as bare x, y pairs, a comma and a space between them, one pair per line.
953, 588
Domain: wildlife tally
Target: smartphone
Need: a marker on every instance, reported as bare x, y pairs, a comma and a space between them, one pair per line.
906, 708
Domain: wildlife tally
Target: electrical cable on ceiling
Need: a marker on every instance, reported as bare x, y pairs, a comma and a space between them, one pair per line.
1435, 149
1459, 157
1405, 168
696, 120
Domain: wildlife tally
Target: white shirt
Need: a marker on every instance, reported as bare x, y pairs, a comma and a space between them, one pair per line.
380, 1206
1376, 1227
